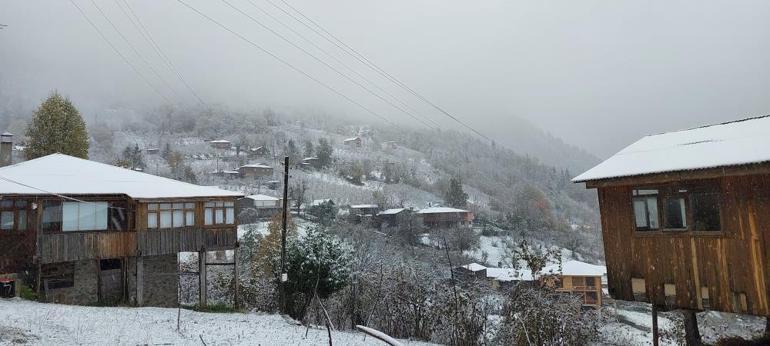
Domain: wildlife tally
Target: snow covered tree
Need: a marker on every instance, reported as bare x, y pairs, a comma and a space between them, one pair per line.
292, 152
308, 149
267, 256
132, 158
454, 195
57, 127
317, 264
324, 152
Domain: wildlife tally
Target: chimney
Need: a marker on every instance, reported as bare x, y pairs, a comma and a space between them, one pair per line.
6, 146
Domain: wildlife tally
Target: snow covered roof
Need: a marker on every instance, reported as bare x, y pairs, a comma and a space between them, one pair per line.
260, 197
352, 139
256, 165
364, 206
320, 201
440, 210
577, 268
728, 144
67, 175
391, 211
474, 267
220, 141
509, 274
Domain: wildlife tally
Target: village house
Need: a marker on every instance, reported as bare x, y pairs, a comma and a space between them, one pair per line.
686, 218
221, 144
443, 217
255, 170
394, 217
353, 142
580, 279
83, 232
310, 162
266, 206
258, 151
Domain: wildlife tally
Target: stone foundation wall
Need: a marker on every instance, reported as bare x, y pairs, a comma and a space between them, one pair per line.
85, 288
160, 280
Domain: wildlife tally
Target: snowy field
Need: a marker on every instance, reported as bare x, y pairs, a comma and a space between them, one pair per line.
25, 322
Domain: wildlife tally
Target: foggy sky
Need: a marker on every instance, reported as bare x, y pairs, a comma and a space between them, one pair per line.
598, 74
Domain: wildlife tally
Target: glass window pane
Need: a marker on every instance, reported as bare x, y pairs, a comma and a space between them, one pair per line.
220, 204
52, 215
675, 213
21, 204
165, 206
86, 216
229, 204
189, 205
178, 205
208, 216
6, 220
189, 218
69, 216
652, 209
152, 220
165, 219
152, 206
640, 213
22, 216
220, 216
178, 218
6, 203
210, 204
230, 215
705, 211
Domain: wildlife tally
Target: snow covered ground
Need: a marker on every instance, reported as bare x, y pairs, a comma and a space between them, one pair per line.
53, 324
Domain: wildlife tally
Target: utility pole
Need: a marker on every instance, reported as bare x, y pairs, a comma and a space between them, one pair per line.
284, 275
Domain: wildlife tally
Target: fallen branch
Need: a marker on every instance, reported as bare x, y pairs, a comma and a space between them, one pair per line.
379, 335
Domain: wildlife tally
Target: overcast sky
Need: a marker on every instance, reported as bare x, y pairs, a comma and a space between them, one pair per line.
598, 74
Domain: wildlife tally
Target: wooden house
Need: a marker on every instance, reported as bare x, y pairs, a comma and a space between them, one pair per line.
255, 170
221, 144
581, 279
353, 142
266, 206
443, 217
686, 218
394, 217
258, 151
84, 232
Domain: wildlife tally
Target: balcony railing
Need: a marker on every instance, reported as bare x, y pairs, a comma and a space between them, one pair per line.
76, 246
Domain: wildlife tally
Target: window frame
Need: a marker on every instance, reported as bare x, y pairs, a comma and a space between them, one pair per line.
17, 211
635, 195
686, 191
171, 208
214, 208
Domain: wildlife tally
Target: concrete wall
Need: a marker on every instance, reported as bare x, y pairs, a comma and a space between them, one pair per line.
160, 280
85, 289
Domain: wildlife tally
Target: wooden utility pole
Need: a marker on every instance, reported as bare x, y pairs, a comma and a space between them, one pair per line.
692, 335
284, 275
655, 335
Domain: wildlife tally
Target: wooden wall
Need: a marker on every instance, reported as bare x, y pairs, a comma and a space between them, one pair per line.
732, 265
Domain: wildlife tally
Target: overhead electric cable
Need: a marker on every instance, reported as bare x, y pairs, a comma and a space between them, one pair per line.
319, 60
285, 62
115, 49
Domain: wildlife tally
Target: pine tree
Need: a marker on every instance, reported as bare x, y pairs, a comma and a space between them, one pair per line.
292, 152
324, 152
308, 149
455, 196
57, 127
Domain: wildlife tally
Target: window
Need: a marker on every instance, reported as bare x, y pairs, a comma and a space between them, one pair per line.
646, 209
219, 212
13, 215
590, 281
52, 216
170, 215
118, 216
84, 216
675, 213
705, 211
577, 281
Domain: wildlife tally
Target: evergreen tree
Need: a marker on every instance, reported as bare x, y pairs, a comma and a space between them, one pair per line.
132, 158
324, 152
292, 152
57, 127
455, 196
308, 149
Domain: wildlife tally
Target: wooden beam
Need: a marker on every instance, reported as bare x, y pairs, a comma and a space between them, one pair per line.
202, 297
657, 178
691, 333
236, 278
655, 333
140, 281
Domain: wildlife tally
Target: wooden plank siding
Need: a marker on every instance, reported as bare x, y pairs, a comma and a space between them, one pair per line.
730, 264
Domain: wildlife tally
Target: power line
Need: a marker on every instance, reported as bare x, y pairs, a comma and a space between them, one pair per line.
54, 193
136, 51
325, 63
148, 36
115, 49
337, 60
283, 61
364, 60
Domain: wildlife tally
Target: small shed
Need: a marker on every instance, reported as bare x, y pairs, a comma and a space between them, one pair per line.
221, 144
437, 217
354, 142
255, 170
